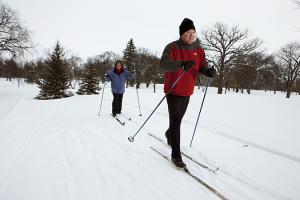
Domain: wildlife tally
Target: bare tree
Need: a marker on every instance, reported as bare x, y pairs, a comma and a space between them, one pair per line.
11, 69
268, 77
103, 62
252, 71
298, 86
277, 83
224, 44
157, 74
15, 39
289, 56
149, 68
74, 69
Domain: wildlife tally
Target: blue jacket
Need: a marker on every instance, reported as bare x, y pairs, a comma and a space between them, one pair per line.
118, 80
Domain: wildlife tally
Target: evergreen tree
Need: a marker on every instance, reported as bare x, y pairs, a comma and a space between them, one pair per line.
129, 58
55, 80
89, 84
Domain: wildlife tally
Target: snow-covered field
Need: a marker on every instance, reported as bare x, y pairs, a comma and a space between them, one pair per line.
61, 149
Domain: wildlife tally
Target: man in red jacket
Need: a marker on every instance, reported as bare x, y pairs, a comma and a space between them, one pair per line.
186, 55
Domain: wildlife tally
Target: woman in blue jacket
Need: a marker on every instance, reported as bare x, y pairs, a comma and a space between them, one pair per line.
118, 77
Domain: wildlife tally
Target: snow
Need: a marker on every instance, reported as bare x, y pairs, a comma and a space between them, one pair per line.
61, 149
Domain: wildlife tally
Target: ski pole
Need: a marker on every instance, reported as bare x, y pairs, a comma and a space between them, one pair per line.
131, 138
101, 98
207, 84
137, 94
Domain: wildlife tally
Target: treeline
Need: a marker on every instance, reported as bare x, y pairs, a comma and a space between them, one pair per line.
241, 62
70, 71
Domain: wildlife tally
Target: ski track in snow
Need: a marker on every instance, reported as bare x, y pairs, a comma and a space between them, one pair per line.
79, 146
6, 112
261, 147
242, 141
226, 177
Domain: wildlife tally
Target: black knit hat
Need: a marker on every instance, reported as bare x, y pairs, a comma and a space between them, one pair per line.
186, 25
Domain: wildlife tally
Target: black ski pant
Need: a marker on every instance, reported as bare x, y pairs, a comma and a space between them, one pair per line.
117, 103
177, 106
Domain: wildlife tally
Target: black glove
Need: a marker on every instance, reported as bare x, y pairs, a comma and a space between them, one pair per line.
211, 72
186, 65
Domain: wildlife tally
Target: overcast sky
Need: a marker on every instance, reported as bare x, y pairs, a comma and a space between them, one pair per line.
90, 27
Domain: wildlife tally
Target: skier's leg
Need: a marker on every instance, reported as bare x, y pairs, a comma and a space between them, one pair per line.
174, 123
115, 104
120, 103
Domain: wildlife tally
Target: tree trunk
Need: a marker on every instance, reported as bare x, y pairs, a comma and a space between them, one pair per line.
248, 90
288, 93
288, 88
220, 85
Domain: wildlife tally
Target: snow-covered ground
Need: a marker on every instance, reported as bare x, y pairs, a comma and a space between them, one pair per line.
61, 149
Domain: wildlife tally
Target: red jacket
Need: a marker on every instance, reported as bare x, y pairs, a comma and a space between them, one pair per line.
171, 62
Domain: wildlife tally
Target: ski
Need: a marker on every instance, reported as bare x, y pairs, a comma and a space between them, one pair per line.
187, 156
187, 171
120, 121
